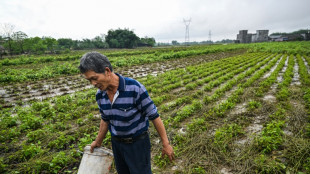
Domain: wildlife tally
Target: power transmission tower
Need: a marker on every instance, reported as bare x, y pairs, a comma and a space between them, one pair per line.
210, 36
187, 22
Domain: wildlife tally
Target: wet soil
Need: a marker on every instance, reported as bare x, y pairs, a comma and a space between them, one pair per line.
11, 95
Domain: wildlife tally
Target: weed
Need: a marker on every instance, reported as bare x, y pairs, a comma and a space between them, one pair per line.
61, 142
59, 161
253, 105
160, 161
2, 166
198, 124
263, 164
225, 134
271, 137
307, 165
198, 170
87, 139
30, 151
307, 131
283, 94
36, 135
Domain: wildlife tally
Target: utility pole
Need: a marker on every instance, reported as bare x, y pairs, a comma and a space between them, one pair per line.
187, 22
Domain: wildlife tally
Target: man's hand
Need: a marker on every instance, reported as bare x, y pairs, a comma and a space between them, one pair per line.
168, 150
103, 129
93, 145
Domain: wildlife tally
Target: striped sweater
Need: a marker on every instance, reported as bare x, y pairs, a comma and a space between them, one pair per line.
129, 113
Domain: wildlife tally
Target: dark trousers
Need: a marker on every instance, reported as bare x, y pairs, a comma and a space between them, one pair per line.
132, 158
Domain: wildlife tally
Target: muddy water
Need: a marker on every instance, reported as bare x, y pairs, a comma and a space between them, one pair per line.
239, 109
229, 93
270, 98
280, 76
39, 90
272, 69
253, 129
306, 63
295, 80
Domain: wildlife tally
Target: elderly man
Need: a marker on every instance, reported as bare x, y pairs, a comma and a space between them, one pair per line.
126, 109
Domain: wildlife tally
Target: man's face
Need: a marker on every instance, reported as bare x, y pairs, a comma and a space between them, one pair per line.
99, 80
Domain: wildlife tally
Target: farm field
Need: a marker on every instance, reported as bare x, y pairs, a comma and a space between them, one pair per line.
227, 108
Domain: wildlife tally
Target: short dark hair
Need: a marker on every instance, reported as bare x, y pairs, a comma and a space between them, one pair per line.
94, 61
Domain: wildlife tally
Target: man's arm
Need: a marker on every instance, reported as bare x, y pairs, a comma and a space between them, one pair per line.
167, 148
101, 135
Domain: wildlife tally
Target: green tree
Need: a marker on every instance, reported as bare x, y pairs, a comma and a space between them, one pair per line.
99, 42
65, 43
87, 43
18, 38
50, 43
174, 42
148, 41
122, 38
34, 45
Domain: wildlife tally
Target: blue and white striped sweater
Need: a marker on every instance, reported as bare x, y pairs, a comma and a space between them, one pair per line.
131, 110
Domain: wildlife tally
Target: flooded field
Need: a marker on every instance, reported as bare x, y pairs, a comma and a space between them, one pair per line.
226, 112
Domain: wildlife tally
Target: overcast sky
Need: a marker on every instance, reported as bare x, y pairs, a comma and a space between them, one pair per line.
161, 19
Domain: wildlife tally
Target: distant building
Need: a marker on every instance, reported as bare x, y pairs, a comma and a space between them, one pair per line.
289, 37
278, 38
243, 36
306, 36
259, 36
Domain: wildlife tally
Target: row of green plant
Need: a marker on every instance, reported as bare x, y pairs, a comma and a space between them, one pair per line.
227, 132
209, 77
200, 124
194, 76
305, 80
121, 55
274, 47
263, 163
266, 83
187, 99
272, 134
55, 151
8, 75
219, 92
45, 137
301, 47
49, 127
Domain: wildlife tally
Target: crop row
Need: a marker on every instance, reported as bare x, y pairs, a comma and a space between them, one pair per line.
283, 48
44, 134
8, 75
47, 135
269, 141
202, 74
121, 58
206, 75
219, 92
305, 80
226, 133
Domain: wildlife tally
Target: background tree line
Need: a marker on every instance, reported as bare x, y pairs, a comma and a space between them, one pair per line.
14, 43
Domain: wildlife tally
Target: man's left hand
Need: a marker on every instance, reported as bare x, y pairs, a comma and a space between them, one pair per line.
168, 150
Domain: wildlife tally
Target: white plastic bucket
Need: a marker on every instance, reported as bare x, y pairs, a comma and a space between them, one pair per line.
98, 162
